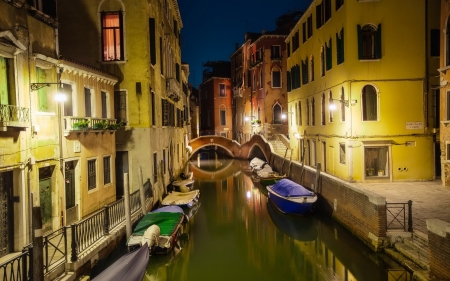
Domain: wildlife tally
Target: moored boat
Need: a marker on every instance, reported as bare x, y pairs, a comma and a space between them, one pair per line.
291, 197
185, 185
159, 230
269, 178
181, 198
130, 267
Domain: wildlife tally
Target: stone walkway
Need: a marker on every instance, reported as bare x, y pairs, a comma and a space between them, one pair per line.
429, 199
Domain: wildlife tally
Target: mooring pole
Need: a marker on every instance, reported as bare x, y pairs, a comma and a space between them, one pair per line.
410, 220
127, 204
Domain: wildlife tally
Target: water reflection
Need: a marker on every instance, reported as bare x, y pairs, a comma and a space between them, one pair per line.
237, 235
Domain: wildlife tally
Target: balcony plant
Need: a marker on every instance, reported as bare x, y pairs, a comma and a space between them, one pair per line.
102, 125
256, 122
80, 124
116, 126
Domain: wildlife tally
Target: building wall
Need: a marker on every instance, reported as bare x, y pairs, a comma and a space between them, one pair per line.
444, 89
439, 249
141, 137
401, 77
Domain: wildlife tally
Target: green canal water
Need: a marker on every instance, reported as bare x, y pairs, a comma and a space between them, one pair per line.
237, 234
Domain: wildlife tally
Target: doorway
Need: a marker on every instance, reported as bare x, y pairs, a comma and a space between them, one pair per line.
7, 217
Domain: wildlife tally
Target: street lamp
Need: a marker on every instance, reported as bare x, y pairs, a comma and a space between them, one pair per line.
344, 102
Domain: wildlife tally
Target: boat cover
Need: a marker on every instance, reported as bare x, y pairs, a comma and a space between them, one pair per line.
170, 209
167, 222
131, 267
180, 198
288, 188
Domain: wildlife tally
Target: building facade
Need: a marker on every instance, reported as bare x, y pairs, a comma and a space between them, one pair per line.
382, 94
216, 100
444, 78
140, 44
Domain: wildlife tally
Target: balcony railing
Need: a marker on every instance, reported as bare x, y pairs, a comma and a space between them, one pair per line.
14, 116
80, 124
173, 89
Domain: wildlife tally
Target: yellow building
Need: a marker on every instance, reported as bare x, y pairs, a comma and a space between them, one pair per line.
444, 66
139, 42
375, 66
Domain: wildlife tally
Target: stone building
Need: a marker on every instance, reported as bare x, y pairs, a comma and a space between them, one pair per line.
139, 42
363, 89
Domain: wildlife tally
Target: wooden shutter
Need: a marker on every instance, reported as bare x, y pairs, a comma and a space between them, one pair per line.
378, 42
152, 29
360, 43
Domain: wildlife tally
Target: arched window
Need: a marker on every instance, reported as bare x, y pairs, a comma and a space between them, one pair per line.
322, 62
369, 42
311, 67
307, 112
342, 105
369, 103
276, 114
330, 100
313, 113
322, 109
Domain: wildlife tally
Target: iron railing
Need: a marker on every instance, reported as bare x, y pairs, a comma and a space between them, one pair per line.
18, 268
55, 249
398, 218
14, 114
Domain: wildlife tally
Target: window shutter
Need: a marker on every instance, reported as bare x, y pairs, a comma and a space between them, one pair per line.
360, 44
152, 29
342, 45
288, 81
318, 16
328, 56
378, 42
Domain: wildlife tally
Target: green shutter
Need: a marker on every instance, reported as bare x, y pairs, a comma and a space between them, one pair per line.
288, 81
378, 42
152, 29
360, 44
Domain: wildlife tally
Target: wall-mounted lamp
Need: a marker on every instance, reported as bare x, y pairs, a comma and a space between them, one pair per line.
344, 102
297, 136
247, 118
284, 116
35, 129
38, 86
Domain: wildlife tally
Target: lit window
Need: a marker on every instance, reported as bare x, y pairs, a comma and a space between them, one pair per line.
369, 103
112, 36
222, 93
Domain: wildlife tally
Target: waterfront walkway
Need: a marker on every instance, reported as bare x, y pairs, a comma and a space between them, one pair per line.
430, 199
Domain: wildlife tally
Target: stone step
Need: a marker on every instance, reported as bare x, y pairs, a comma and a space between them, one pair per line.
417, 254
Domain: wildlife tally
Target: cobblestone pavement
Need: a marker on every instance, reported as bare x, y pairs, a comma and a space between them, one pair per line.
429, 199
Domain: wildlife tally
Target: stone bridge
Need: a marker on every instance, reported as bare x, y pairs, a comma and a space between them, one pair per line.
257, 146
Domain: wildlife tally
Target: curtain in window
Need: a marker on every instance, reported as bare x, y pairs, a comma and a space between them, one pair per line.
111, 37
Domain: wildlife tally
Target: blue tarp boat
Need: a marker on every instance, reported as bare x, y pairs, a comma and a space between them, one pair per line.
291, 198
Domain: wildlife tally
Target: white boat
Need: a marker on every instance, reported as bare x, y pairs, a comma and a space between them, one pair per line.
183, 185
181, 198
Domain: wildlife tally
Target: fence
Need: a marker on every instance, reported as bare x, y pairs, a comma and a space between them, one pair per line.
82, 235
397, 218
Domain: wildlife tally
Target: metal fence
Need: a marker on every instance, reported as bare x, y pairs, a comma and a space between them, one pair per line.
81, 235
399, 216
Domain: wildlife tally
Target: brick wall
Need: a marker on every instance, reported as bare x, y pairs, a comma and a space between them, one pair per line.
439, 249
362, 212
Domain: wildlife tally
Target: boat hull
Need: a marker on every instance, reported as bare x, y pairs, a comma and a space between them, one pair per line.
301, 205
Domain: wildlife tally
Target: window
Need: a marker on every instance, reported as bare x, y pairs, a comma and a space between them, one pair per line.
112, 36
434, 42
369, 103
340, 46
153, 109
322, 61
155, 168
303, 33
45, 100
311, 67
369, 42
106, 169
87, 102
376, 161
342, 155
222, 93
288, 48
342, 105
152, 31
330, 112
120, 106
322, 107
161, 52
276, 111
305, 72
275, 53
323, 13
300, 113
276, 78
310, 27
313, 153
261, 79
307, 113
7, 80
313, 113
328, 58
339, 4
447, 42
308, 152
223, 120
92, 174
104, 97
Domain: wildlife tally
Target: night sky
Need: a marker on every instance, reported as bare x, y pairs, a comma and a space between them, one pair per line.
211, 27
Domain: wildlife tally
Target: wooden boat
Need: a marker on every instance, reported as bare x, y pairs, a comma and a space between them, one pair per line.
181, 198
131, 267
291, 198
257, 164
185, 185
159, 230
269, 178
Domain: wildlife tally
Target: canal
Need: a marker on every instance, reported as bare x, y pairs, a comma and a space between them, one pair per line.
236, 234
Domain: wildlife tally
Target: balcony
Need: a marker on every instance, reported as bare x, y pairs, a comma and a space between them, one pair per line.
14, 116
173, 89
237, 92
87, 124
